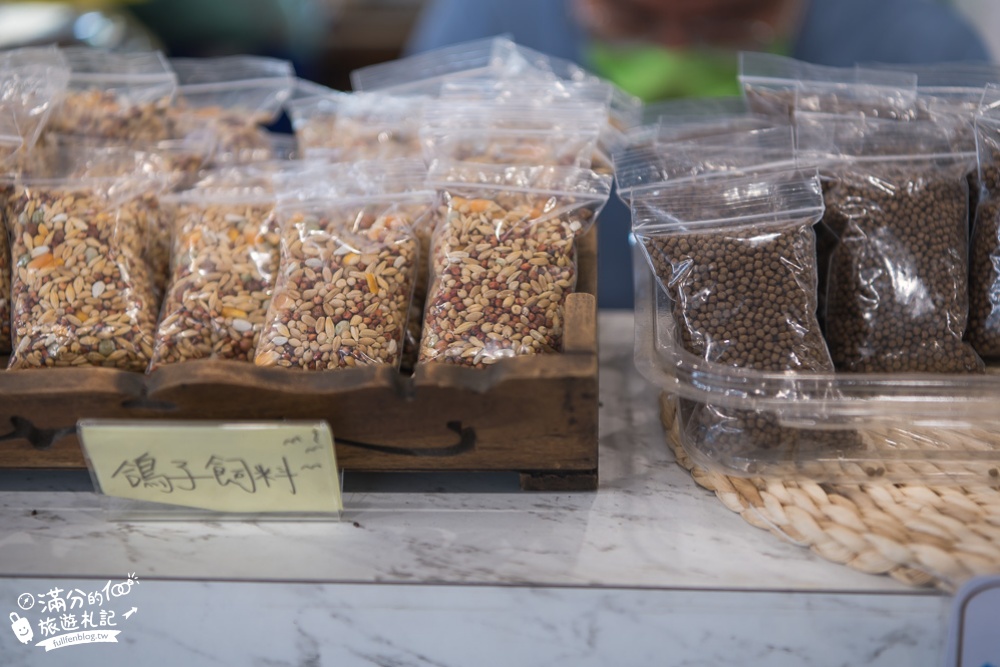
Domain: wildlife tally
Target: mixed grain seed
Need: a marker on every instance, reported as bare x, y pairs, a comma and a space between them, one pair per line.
343, 291
81, 292
237, 135
501, 271
225, 261
100, 113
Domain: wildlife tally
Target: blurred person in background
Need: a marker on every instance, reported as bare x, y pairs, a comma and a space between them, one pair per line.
661, 49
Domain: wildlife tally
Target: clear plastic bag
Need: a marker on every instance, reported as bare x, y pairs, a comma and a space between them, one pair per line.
951, 89
81, 289
234, 96
897, 198
556, 134
503, 259
779, 87
673, 153
342, 127
702, 108
570, 106
737, 257
32, 80
349, 261
423, 73
223, 270
122, 96
984, 261
6, 190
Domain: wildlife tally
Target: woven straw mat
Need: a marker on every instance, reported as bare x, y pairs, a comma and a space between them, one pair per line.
920, 535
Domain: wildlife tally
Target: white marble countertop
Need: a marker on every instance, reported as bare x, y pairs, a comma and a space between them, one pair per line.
649, 537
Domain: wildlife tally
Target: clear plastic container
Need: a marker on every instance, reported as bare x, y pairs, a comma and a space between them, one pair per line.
844, 428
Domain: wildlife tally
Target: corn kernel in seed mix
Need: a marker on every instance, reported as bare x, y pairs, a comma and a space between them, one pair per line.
81, 293
503, 260
225, 257
345, 283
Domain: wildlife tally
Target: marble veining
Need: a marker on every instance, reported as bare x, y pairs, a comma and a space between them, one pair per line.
306, 624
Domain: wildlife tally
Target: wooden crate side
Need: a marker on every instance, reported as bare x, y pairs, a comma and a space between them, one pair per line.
536, 415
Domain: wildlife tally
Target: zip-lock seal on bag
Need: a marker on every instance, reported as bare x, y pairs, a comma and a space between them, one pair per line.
564, 134
779, 86
678, 154
423, 73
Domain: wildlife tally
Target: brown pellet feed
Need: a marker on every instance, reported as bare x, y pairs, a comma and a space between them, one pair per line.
745, 297
984, 281
984, 251
898, 291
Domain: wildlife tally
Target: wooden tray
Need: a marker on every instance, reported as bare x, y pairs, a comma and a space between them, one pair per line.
536, 416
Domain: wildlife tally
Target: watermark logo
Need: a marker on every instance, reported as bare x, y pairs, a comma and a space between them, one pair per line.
71, 617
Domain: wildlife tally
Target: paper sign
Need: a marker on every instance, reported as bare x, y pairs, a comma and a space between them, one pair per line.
974, 636
266, 467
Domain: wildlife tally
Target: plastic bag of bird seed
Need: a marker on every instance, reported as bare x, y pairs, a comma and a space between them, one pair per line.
780, 87
82, 292
122, 96
984, 274
224, 263
736, 255
953, 92
233, 97
349, 260
896, 197
31, 80
342, 127
562, 133
503, 259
